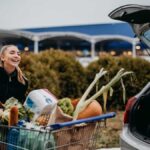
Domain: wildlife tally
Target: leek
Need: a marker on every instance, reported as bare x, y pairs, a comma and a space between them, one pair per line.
104, 90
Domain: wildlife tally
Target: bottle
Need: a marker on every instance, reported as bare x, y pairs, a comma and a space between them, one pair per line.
12, 138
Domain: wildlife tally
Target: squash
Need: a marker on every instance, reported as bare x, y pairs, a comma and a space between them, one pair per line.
93, 109
74, 102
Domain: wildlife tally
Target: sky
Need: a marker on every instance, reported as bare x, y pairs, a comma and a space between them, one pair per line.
19, 14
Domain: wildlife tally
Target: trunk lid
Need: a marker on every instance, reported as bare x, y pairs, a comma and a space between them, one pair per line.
138, 17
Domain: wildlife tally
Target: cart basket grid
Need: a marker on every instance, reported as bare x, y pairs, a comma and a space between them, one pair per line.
73, 135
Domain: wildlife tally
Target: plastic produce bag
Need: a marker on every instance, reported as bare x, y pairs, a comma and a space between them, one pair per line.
36, 140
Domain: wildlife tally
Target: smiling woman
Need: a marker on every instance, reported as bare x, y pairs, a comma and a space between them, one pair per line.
12, 81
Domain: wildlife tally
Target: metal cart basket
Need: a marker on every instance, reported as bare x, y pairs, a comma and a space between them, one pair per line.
73, 135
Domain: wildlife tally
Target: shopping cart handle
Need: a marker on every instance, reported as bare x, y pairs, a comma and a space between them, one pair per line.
91, 119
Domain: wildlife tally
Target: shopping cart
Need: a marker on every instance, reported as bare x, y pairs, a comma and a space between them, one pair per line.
73, 135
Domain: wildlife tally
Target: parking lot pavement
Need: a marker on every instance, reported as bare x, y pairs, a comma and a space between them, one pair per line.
109, 149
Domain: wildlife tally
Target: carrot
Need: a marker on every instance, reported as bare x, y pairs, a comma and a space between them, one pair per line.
13, 116
92, 110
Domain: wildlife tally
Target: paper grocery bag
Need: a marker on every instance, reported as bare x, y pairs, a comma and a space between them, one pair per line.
60, 116
74, 137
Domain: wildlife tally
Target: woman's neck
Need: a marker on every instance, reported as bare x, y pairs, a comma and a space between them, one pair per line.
9, 70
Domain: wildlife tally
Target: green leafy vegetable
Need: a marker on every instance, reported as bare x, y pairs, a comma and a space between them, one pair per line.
66, 106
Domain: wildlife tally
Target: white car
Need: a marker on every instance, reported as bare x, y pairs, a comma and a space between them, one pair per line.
135, 134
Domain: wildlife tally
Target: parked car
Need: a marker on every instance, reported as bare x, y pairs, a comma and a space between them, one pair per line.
135, 134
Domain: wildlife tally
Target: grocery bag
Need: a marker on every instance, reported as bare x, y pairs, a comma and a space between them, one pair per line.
36, 140
40, 101
77, 137
60, 116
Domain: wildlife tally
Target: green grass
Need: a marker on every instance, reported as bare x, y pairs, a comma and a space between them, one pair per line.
109, 135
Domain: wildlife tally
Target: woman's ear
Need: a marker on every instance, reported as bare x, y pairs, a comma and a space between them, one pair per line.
2, 58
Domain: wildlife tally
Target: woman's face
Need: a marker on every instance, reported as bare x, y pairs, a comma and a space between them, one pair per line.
11, 57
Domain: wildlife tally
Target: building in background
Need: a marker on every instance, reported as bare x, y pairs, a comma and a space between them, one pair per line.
81, 27
83, 40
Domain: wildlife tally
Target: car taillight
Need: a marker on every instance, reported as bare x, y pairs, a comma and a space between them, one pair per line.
129, 105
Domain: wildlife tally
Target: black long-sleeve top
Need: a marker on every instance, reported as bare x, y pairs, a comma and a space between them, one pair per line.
11, 87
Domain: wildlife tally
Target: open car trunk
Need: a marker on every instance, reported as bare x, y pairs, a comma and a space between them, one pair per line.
138, 17
140, 117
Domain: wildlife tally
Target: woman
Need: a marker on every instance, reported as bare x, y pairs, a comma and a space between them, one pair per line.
12, 81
